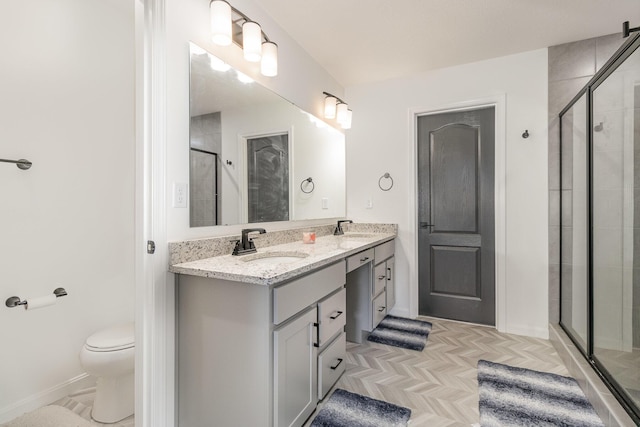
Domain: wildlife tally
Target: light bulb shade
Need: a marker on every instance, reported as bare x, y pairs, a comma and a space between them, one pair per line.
330, 107
342, 112
269, 64
220, 22
252, 41
347, 122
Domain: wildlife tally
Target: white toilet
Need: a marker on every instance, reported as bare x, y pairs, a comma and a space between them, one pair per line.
109, 355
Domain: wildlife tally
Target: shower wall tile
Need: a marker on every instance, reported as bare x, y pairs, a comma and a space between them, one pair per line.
606, 46
571, 60
554, 153
554, 245
561, 92
554, 207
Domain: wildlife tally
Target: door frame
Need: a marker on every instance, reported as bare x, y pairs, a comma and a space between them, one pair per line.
499, 103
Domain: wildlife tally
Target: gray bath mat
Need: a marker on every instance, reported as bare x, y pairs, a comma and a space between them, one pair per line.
401, 332
512, 397
346, 409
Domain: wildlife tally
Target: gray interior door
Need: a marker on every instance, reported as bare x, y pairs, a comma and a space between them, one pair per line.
268, 178
456, 215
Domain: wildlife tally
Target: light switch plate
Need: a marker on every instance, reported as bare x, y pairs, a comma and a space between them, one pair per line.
325, 203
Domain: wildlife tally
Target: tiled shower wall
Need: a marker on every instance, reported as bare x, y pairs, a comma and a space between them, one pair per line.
571, 66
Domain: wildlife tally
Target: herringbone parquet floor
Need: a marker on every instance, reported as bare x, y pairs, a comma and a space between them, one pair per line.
439, 384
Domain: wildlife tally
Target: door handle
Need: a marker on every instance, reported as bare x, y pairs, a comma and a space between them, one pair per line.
426, 225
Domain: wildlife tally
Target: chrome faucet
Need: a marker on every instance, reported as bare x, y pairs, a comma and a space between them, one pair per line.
245, 245
339, 231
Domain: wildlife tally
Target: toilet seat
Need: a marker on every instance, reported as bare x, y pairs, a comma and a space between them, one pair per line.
112, 339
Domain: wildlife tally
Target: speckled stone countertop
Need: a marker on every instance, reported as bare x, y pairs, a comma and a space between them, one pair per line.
326, 250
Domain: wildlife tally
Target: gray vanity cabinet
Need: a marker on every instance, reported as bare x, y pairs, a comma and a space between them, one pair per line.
253, 355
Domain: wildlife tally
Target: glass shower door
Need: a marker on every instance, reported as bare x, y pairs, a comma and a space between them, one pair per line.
615, 194
574, 257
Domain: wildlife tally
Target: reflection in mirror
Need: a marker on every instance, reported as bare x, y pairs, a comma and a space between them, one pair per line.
250, 150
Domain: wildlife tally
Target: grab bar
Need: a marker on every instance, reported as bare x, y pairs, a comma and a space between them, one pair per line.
23, 164
16, 301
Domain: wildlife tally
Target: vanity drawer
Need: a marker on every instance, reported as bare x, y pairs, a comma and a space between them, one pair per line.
332, 315
379, 305
359, 259
385, 250
379, 278
295, 296
331, 365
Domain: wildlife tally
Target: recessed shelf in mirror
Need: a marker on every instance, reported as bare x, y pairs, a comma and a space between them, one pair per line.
250, 148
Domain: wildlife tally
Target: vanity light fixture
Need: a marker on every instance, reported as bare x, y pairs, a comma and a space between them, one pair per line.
336, 108
225, 24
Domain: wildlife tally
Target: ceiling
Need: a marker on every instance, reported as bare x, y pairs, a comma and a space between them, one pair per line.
362, 41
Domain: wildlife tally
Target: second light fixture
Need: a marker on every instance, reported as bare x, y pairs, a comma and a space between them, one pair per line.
335, 108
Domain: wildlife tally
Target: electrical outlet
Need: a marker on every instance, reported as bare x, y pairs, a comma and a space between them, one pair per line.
369, 203
179, 195
325, 203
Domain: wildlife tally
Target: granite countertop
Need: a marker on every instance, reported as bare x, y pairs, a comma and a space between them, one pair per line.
326, 250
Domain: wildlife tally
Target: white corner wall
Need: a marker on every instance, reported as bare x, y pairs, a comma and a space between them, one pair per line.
381, 141
300, 80
67, 85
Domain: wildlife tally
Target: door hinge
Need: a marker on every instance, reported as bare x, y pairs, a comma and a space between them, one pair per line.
151, 247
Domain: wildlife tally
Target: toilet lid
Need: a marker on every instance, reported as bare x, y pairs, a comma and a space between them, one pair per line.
111, 339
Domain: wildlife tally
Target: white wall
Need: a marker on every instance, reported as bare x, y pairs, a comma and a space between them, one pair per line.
300, 80
67, 85
380, 141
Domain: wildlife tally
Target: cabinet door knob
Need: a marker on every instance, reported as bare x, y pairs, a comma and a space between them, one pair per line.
381, 309
381, 277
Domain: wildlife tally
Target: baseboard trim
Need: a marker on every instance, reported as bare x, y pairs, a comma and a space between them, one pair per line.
45, 397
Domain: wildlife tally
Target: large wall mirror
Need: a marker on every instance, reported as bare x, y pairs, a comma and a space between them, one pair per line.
254, 156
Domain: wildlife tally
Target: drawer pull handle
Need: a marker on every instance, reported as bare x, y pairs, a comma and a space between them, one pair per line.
317, 326
365, 259
336, 316
389, 274
381, 277
381, 309
337, 364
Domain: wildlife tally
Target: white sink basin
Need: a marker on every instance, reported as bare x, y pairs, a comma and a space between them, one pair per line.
359, 235
272, 258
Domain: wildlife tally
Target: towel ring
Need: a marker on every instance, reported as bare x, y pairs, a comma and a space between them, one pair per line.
387, 176
309, 181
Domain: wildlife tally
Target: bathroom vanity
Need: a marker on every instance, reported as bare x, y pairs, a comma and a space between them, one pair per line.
261, 338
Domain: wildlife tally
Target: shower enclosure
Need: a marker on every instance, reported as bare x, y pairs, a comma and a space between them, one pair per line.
600, 223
